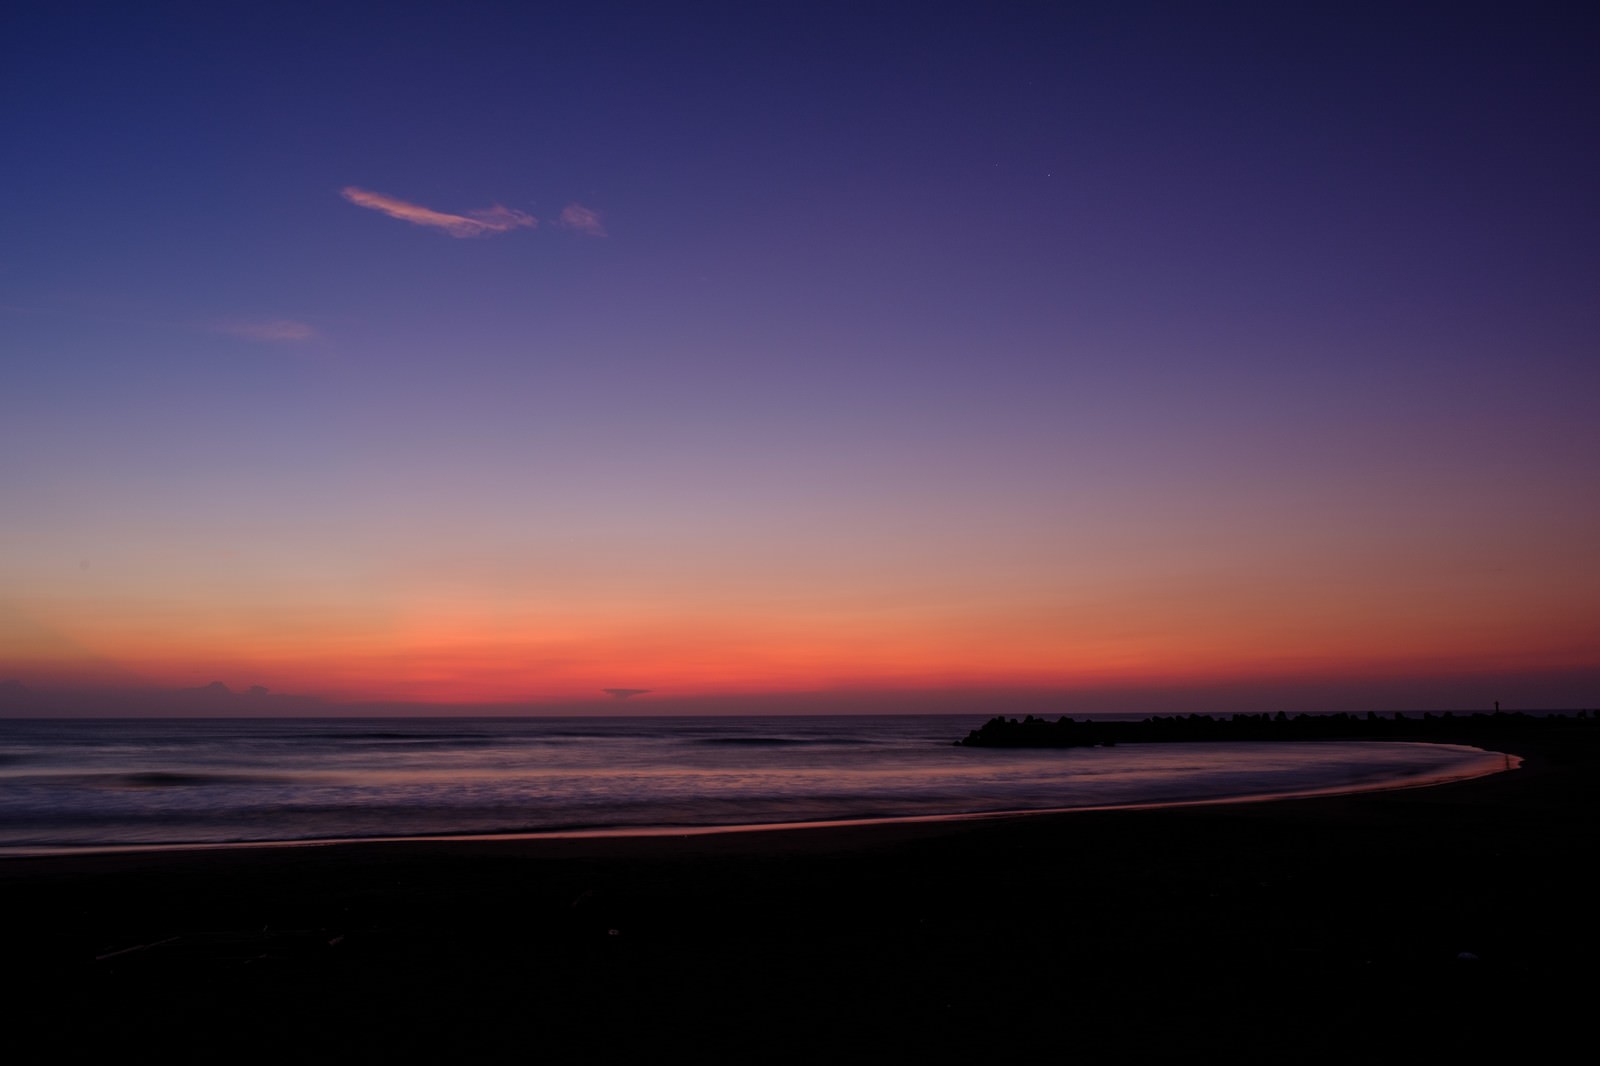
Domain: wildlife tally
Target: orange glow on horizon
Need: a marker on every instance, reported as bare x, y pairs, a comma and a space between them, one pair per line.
468, 653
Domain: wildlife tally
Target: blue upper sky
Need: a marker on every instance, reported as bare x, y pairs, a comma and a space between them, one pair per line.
1061, 318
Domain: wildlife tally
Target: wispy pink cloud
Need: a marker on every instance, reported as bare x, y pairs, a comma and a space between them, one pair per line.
272, 329
580, 218
496, 219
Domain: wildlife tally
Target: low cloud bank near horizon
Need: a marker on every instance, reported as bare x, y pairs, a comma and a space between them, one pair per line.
1562, 691
216, 699
496, 219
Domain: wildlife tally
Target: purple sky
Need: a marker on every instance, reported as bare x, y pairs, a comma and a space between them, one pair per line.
736, 351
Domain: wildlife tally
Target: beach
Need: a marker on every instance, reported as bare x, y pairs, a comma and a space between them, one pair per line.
1450, 921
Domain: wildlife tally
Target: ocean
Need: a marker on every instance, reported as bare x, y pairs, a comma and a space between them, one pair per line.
96, 783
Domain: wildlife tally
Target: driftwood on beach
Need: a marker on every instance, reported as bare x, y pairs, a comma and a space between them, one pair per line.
1032, 732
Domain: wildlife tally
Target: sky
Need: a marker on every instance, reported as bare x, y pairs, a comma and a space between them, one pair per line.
799, 356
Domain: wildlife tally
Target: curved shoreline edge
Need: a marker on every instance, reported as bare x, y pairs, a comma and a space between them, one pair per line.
1433, 916
1412, 780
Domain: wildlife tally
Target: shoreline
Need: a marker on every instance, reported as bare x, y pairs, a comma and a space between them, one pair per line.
1414, 779
1371, 926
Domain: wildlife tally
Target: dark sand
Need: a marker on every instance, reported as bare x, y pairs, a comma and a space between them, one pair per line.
1452, 922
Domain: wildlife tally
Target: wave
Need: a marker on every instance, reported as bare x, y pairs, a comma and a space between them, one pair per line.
174, 779
813, 742
426, 738
95, 784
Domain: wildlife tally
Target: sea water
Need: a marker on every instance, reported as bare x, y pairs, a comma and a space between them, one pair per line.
119, 782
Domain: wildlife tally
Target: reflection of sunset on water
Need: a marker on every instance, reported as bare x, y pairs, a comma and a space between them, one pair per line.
80, 784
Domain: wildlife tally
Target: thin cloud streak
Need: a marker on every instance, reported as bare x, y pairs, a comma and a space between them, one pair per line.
282, 330
496, 219
582, 219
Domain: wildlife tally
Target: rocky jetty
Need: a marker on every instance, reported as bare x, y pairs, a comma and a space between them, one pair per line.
1031, 732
